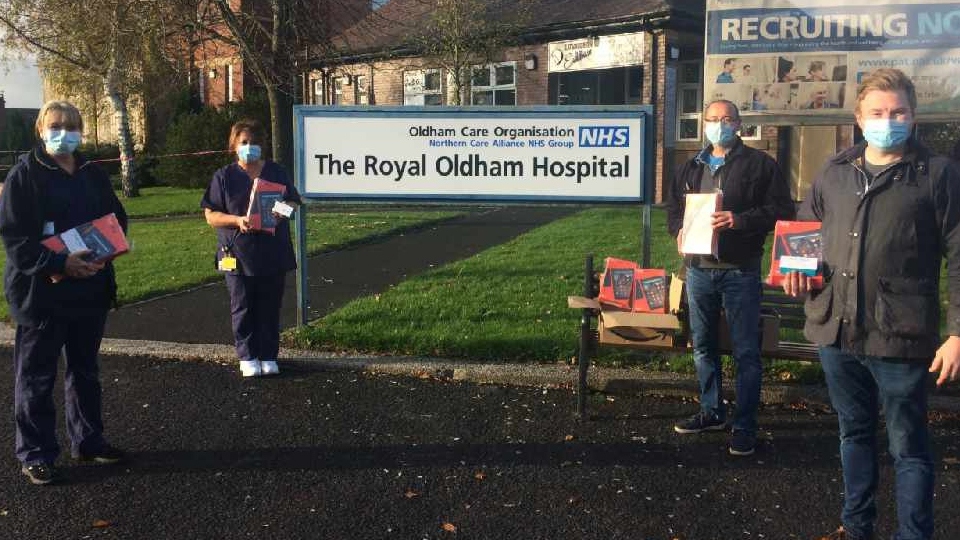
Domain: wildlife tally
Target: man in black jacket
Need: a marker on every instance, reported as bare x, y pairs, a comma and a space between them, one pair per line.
890, 210
755, 196
58, 301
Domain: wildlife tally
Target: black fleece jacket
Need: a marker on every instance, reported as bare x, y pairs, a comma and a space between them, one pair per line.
755, 191
37, 192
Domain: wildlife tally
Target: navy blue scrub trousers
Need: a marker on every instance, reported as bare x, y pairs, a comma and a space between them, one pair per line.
255, 313
36, 358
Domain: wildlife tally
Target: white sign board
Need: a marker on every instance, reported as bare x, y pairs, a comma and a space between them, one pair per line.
476, 153
806, 57
600, 52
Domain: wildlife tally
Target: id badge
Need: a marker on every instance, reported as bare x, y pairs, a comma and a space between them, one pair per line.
227, 264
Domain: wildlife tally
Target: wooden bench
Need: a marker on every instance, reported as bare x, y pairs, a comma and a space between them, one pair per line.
791, 345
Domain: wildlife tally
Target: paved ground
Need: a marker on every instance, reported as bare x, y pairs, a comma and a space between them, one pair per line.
338, 455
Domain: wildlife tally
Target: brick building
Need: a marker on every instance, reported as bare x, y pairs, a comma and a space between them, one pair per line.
221, 75
604, 52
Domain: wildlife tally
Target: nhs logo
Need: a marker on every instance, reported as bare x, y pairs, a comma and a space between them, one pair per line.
592, 136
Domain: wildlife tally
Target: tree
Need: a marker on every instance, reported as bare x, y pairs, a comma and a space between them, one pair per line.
102, 39
273, 41
460, 34
18, 134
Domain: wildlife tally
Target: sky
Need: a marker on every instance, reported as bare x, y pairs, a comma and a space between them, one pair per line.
20, 84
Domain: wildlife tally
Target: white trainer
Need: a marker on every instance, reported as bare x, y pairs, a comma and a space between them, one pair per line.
269, 367
251, 368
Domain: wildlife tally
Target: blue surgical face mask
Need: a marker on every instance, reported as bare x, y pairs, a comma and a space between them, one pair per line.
248, 152
719, 133
886, 133
60, 142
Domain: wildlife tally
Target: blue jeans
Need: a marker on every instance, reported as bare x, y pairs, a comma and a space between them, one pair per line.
858, 386
737, 291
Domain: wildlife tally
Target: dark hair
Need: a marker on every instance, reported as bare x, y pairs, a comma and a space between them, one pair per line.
252, 126
783, 67
729, 61
725, 102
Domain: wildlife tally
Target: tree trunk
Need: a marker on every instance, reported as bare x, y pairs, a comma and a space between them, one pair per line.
124, 141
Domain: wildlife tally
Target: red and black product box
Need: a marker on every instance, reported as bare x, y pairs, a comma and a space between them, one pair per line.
626, 287
103, 237
263, 196
796, 248
650, 289
616, 284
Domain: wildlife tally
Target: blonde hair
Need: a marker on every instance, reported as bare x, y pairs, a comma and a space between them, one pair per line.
888, 80
67, 109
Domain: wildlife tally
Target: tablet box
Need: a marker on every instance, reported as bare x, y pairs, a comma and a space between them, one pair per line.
796, 247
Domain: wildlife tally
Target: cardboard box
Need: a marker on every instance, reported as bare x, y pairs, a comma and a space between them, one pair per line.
639, 330
796, 248
699, 238
769, 333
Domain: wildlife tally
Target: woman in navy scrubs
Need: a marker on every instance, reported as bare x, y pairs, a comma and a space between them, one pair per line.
255, 263
58, 301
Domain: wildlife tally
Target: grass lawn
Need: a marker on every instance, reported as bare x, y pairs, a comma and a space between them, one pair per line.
508, 302
163, 201
174, 254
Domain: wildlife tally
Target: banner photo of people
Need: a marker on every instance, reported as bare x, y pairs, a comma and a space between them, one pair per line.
808, 56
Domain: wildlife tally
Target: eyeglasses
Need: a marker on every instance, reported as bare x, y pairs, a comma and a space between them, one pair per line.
726, 120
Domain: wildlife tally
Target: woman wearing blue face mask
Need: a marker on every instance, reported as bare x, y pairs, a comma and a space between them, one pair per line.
49, 191
255, 263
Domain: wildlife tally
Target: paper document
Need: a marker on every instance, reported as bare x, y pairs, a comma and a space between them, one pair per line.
699, 238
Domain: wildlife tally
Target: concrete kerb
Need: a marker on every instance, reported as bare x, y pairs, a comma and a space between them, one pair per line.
607, 380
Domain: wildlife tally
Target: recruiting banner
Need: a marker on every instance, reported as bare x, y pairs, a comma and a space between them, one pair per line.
808, 56
493, 153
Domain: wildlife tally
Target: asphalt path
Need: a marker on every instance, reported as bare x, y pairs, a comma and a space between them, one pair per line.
202, 315
320, 454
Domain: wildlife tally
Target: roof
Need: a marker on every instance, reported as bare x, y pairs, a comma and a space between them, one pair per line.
390, 27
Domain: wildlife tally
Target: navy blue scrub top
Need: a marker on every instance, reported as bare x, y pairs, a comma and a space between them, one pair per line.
258, 254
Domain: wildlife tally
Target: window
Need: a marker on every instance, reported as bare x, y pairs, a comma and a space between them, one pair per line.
318, 91
422, 87
689, 101
494, 84
360, 91
337, 97
750, 132
230, 82
202, 85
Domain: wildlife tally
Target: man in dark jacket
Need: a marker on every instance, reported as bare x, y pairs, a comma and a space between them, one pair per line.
755, 196
890, 210
58, 301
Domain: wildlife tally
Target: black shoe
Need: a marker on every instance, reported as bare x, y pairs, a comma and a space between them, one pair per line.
742, 443
106, 455
700, 422
41, 474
